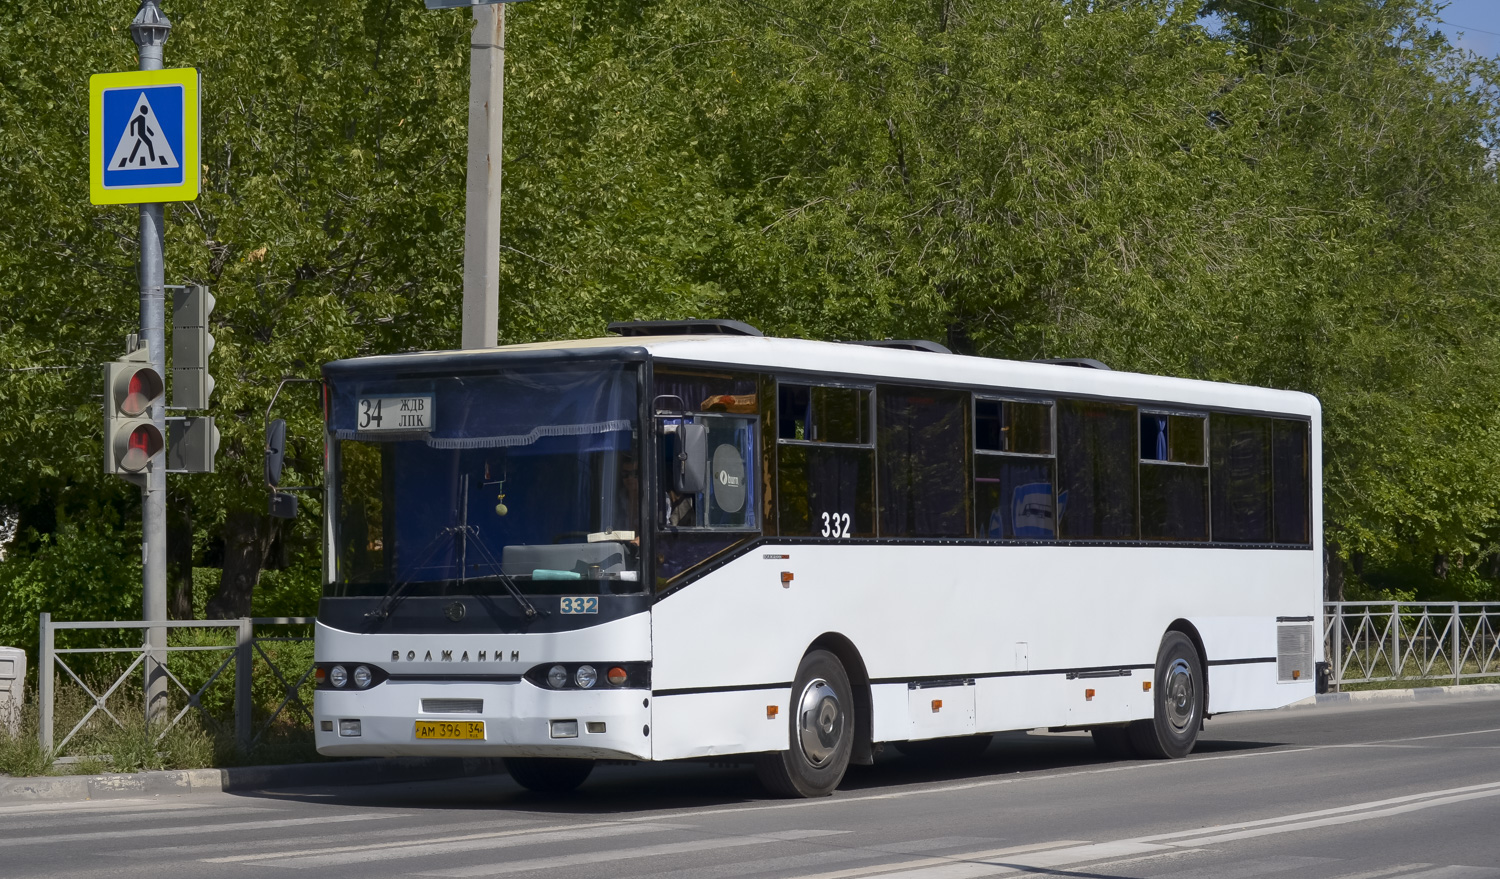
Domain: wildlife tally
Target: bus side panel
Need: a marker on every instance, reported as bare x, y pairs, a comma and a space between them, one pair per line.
733, 722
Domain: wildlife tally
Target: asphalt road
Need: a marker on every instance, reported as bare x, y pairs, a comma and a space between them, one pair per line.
1405, 791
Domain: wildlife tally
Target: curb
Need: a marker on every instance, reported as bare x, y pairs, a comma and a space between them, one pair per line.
1420, 694
180, 781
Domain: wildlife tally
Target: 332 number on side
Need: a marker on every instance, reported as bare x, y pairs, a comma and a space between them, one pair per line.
836, 525
584, 604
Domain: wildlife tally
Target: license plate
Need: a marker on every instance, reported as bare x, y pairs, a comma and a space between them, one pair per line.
450, 729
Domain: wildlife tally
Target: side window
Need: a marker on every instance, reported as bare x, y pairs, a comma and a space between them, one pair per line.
1014, 469
1289, 465
708, 471
924, 453
1174, 476
1096, 470
1240, 465
825, 467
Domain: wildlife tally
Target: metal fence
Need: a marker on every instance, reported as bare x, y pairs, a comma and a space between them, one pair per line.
247, 644
1443, 642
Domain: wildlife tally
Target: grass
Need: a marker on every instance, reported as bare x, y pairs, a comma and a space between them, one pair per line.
193, 742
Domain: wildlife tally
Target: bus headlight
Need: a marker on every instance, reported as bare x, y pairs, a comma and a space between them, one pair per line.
362, 676
338, 676
557, 676
586, 676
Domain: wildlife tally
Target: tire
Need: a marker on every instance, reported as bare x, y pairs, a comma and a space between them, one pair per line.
1173, 728
821, 729
1113, 742
548, 775
959, 749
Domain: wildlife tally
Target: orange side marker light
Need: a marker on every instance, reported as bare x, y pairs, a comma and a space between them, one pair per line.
772, 711
937, 705
1088, 695
1145, 686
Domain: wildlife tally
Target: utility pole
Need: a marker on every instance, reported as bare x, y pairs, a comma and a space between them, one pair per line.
481, 310
150, 30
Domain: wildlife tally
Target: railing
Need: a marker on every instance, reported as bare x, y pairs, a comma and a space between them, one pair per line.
156, 660
1450, 642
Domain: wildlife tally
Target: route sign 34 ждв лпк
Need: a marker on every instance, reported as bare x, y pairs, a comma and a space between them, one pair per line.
143, 136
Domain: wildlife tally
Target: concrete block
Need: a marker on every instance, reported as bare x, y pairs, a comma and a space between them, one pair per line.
12, 688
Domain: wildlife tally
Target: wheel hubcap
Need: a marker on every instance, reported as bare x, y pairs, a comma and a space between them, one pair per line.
1181, 695
820, 722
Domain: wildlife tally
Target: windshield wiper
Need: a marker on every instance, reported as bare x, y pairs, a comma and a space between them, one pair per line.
505, 579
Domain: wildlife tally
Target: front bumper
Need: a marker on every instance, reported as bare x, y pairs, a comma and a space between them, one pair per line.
517, 721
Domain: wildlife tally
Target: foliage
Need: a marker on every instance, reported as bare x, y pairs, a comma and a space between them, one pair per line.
1302, 199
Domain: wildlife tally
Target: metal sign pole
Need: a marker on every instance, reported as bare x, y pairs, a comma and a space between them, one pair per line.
150, 30
481, 308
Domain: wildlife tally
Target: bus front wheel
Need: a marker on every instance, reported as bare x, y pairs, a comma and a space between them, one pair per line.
548, 775
1173, 728
822, 732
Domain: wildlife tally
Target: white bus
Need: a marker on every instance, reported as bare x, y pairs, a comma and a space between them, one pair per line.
690, 540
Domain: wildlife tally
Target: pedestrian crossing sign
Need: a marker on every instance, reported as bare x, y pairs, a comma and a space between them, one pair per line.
143, 136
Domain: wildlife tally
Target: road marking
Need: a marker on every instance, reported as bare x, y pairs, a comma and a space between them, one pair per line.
611, 856
1329, 817
923, 862
121, 818
1455, 873
970, 866
180, 830
1248, 869
417, 849
823, 858
1382, 872
376, 837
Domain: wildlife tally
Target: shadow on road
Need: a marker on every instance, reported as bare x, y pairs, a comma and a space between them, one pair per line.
638, 789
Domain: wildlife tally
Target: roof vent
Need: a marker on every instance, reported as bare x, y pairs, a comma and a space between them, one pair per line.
1083, 362
683, 328
906, 345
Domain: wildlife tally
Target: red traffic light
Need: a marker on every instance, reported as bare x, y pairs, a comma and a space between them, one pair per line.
135, 447
135, 388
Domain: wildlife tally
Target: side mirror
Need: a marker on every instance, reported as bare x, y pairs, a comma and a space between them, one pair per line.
275, 452
283, 506
690, 470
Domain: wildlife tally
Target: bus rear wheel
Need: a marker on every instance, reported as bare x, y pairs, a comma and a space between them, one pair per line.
548, 775
822, 732
1178, 713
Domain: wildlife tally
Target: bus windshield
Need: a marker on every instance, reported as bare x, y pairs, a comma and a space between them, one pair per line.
527, 481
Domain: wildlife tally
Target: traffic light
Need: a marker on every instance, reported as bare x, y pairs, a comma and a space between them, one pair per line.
131, 387
191, 345
191, 444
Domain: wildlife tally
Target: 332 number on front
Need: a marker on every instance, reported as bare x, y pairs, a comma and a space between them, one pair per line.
583, 604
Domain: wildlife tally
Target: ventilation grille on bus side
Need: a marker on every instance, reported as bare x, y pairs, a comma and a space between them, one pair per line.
452, 706
1294, 653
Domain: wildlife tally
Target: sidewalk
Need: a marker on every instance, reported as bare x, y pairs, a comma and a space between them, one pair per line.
1420, 694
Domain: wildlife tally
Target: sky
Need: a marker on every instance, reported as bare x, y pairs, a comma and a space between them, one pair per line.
1466, 22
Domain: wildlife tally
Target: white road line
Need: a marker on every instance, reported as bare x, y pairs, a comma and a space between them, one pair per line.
649, 851
181, 830
1338, 819
298, 852
143, 815
1456, 873
372, 837
1248, 869
1382, 872
1304, 816
922, 862
824, 858
366, 854
970, 867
